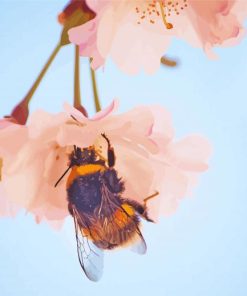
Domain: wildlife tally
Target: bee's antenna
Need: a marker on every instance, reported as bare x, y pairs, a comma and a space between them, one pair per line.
58, 181
75, 149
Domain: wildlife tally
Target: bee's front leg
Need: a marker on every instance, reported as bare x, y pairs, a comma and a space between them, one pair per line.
111, 180
110, 152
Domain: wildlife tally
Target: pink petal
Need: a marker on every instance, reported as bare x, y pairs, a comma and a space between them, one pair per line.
5, 123
190, 154
81, 34
107, 111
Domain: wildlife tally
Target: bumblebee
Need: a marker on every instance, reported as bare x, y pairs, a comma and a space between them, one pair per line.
103, 219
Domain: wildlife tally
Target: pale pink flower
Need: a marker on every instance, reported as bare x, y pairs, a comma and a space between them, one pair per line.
137, 33
147, 158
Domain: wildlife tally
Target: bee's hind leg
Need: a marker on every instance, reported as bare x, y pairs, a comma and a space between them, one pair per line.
110, 152
149, 197
141, 209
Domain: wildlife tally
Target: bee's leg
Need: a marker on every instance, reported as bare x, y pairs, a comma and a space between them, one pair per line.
114, 184
70, 209
110, 153
139, 208
150, 197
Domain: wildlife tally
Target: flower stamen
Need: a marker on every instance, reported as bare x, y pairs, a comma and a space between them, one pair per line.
153, 10
162, 10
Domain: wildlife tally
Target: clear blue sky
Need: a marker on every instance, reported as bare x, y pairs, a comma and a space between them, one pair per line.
199, 251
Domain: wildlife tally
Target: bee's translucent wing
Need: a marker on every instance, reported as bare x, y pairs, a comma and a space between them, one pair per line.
139, 245
91, 258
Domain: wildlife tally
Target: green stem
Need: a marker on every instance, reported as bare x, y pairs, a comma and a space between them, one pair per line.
95, 91
29, 95
77, 92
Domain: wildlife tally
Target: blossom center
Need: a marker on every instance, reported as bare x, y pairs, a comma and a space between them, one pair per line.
163, 9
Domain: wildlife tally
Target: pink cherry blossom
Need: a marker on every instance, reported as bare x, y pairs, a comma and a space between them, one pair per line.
137, 33
147, 158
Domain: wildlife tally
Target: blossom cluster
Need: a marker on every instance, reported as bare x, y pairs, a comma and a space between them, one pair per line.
147, 158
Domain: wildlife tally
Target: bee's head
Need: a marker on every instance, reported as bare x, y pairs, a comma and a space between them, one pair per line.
82, 156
